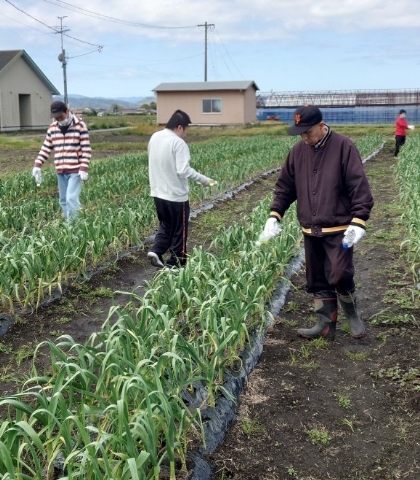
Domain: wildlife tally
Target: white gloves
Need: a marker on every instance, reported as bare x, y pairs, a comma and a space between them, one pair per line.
209, 183
353, 235
36, 173
83, 175
272, 229
411, 127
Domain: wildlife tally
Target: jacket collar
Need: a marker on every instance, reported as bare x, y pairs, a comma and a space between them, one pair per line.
323, 140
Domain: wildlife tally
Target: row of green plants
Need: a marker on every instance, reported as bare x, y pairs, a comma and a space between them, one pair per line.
407, 171
40, 252
115, 406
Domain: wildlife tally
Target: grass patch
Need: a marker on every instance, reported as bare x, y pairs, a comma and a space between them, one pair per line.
63, 320
5, 348
252, 427
24, 352
404, 377
344, 401
12, 143
291, 307
388, 317
319, 436
128, 147
290, 323
357, 356
408, 300
311, 365
348, 423
101, 292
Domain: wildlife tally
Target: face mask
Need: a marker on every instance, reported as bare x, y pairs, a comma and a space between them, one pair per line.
67, 121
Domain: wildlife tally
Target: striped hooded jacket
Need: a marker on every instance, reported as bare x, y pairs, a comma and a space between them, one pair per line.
72, 151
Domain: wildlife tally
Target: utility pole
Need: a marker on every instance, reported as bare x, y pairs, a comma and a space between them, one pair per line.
62, 58
206, 26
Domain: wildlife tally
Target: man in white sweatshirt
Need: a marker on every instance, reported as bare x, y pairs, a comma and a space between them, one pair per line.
169, 173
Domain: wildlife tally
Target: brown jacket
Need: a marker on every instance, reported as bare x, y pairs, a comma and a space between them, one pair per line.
329, 184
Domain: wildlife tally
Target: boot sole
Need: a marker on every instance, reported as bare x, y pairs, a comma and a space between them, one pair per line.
360, 336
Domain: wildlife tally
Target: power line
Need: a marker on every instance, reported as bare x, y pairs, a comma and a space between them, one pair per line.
36, 29
82, 54
100, 47
27, 14
217, 33
23, 23
107, 18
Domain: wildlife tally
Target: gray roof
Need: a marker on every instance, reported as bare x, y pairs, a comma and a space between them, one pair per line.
205, 86
8, 57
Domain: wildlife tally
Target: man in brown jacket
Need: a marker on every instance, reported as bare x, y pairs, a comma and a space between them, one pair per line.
324, 174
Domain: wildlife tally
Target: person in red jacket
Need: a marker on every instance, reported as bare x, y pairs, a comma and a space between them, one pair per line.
401, 127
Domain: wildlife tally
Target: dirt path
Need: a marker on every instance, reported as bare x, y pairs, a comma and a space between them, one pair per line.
342, 411
347, 410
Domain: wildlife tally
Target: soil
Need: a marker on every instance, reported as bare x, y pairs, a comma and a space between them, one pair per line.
342, 410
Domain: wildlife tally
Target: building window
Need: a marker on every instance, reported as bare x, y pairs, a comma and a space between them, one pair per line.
212, 105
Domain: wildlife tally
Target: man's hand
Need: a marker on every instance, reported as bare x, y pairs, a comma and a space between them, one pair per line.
355, 233
83, 175
36, 173
272, 229
209, 183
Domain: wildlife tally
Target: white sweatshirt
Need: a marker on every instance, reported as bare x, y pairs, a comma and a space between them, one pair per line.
169, 167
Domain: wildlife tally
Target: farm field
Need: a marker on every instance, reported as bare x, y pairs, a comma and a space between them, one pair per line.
361, 419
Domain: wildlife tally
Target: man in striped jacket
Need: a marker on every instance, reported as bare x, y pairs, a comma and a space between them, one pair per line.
69, 138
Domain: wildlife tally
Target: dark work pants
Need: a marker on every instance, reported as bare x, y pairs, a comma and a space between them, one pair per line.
329, 266
399, 142
173, 230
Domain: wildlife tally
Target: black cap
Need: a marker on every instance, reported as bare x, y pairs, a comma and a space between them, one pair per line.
402, 111
305, 117
58, 108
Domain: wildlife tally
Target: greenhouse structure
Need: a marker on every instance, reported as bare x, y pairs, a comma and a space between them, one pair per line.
346, 106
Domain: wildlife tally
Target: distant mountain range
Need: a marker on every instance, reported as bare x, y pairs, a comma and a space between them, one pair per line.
103, 103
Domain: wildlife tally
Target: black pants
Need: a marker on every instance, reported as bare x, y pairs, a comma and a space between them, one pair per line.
173, 230
399, 142
329, 266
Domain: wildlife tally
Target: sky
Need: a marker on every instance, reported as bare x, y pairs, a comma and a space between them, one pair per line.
126, 48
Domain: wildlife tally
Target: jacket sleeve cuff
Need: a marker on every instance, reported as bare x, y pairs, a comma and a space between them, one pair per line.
275, 215
358, 223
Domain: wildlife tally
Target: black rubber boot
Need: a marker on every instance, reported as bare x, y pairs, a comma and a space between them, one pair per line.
325, 307
348, 304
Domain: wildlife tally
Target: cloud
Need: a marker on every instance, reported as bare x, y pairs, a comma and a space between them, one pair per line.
235, 19
343, 43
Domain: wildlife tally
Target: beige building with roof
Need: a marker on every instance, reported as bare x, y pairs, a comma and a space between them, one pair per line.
25, 93
208, 103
